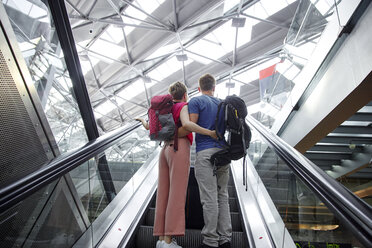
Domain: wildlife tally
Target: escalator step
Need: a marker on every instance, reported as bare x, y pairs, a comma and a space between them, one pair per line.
192, 238
232, 191
235, 219
232, 201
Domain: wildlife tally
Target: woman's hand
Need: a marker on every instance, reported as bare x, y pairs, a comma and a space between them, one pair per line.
144, 123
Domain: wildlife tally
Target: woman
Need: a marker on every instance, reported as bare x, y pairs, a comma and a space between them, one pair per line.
174, 172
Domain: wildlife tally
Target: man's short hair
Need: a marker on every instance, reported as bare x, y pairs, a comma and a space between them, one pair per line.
177, 90
207, 82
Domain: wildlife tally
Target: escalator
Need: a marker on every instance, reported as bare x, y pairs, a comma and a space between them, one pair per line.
194, 220
287, 202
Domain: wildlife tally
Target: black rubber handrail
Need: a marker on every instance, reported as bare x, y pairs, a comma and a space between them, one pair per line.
20, 189
346, 206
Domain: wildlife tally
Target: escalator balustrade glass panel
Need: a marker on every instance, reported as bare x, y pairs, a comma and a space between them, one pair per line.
67, 209
309, 222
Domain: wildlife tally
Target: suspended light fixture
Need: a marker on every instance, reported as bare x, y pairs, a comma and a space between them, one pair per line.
238, 22
182, 57
146, 80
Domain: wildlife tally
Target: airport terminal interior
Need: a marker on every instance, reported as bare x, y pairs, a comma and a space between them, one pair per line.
77, 169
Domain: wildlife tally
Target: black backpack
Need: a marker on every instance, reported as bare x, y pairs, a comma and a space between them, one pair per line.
230, 118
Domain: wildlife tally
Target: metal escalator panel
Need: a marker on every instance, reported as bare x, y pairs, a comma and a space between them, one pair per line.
308, 220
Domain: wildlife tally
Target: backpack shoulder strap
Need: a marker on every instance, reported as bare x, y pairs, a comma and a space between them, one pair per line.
219, 135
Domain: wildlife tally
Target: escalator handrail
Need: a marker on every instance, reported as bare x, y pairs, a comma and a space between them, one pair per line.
348, 208
20, 189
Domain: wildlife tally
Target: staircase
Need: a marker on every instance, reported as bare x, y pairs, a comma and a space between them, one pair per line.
194, 221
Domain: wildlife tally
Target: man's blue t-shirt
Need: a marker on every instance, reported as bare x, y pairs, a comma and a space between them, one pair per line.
206, 107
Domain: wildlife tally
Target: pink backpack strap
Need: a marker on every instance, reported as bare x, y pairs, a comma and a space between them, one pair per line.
176, 111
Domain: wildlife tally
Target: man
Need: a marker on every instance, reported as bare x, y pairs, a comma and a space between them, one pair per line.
212, 181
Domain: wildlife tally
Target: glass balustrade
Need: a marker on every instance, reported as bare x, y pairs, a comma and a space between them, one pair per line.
307, 219
61, 212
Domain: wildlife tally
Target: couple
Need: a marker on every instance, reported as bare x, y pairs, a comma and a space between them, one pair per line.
198, 116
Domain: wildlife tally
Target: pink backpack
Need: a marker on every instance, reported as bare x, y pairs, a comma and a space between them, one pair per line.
161, 123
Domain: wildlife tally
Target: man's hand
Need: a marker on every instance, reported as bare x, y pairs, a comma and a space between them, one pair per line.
213, 134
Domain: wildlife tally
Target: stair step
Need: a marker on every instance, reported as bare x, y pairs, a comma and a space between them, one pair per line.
192, 239
235, 219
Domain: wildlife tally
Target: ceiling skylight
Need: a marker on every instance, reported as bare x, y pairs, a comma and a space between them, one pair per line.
323, 6
149, 6
244, 34
167, 68
104, 109
227, 5
28, 9
113, 34
198, 58
163, 50
107, 49
258, 11
216, 44
134, 89
222, 90
271, 7
253, 73
287, 69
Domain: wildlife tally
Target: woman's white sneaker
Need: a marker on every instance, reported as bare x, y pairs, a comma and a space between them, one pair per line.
173, 244
159, 244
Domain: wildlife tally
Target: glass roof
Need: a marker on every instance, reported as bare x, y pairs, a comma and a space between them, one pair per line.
132, 50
